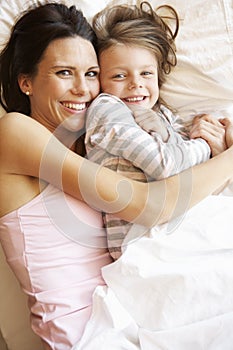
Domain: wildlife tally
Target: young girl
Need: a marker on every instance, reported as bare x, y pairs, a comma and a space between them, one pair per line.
136, 51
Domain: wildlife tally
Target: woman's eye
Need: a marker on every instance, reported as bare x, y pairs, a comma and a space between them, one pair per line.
64, 73
92, 74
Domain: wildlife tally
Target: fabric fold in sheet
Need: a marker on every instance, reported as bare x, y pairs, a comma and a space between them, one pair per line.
110, 326
211, 334
168, 288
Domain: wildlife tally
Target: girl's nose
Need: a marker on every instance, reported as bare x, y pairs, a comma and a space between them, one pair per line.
135, 83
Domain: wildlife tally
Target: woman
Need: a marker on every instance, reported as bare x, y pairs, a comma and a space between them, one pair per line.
55, 244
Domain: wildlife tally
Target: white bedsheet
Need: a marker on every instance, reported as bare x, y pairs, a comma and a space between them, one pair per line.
170, 291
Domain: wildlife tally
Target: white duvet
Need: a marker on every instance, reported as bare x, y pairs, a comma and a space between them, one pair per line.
170, 291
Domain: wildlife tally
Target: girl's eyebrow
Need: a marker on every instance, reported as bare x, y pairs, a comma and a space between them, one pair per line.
148, 66
125, 68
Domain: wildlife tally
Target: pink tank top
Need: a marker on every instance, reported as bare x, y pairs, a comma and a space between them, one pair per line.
56, 247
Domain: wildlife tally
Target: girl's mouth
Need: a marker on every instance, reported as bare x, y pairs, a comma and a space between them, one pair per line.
134, 99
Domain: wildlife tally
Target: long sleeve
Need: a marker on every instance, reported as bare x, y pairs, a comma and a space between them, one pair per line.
113, 132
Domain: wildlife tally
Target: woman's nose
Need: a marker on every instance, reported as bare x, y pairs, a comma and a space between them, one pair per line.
79, 87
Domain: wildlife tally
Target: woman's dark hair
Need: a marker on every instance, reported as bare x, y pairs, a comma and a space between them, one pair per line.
29, 38
140, 25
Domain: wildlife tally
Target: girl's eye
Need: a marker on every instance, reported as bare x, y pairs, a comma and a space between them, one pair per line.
147, 73
64, 73
119, 76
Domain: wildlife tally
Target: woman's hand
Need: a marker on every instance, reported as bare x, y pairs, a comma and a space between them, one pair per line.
150, 121
212, 131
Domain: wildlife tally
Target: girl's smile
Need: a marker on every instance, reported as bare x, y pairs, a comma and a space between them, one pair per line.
134, 82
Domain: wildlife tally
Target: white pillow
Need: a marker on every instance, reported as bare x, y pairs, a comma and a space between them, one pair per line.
202, 79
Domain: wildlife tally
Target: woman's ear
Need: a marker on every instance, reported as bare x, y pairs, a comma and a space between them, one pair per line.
25, 84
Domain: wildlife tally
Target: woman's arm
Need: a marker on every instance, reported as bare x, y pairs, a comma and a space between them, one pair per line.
30, 149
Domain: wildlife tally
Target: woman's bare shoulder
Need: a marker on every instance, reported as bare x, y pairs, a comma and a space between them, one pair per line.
15, 120
14, 128
22, 140
19, 128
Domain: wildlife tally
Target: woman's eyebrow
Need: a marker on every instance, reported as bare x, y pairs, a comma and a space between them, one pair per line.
72, 67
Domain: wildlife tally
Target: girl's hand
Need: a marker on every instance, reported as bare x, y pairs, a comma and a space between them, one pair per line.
228, 124
150, 121
212, 131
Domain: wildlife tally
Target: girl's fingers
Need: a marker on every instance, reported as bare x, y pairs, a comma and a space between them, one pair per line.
228, 125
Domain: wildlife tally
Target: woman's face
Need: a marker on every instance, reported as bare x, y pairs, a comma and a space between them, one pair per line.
66, 82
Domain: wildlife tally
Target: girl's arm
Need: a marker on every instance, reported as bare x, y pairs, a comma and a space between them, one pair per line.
28, 148
210, 129
112, 133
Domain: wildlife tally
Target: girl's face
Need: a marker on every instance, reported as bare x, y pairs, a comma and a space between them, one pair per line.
66, 82
130, 73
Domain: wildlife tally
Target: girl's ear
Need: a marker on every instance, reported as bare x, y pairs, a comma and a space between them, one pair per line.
25, 84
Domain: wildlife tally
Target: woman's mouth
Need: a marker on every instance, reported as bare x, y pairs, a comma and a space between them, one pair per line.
75, 106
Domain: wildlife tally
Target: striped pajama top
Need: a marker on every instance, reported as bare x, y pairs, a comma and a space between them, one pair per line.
115, 140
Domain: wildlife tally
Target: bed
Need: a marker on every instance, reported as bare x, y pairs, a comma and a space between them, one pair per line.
135, 310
